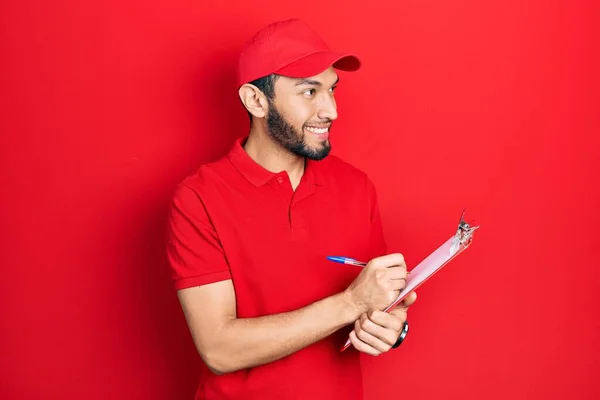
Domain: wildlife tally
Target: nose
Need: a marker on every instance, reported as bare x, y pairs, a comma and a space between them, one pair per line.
327, 108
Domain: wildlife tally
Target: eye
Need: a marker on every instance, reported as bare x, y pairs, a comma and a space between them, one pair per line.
309, 92
332, 89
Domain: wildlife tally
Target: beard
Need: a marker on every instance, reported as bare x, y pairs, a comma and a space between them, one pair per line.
290, 139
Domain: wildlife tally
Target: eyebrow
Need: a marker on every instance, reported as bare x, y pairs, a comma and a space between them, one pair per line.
313, 82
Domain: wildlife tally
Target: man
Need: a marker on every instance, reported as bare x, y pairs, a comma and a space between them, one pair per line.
251, 232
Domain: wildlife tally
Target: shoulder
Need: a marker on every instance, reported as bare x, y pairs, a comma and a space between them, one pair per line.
196, 191
333, 168
207, 178
348, 179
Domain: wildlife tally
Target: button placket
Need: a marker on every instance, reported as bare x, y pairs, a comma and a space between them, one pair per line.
283, 189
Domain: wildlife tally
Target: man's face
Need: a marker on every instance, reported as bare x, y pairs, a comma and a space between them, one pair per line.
300, 117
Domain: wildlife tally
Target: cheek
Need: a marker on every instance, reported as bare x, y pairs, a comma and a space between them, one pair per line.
298, 112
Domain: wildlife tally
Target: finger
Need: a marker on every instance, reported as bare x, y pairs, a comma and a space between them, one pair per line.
361, 346
389, 260
410, 299
407, 302
374, 335
397, 284
388, 320
396, 273
400, 312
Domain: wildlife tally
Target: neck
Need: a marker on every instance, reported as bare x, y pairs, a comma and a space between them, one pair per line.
271, 156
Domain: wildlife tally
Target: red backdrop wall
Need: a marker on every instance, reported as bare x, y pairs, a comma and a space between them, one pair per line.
486, 105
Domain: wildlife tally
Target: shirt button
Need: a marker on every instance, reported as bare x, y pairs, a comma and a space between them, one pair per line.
280, 180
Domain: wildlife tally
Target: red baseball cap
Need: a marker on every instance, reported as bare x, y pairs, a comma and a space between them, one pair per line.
289, 48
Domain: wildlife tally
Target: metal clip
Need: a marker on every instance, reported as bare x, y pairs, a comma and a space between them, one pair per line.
464, 234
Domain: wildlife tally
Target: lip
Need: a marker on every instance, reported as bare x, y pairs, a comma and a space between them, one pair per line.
320, 136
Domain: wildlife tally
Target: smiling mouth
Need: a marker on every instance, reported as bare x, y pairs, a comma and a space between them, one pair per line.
318, 131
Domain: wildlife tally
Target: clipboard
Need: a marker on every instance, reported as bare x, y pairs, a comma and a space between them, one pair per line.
451, 248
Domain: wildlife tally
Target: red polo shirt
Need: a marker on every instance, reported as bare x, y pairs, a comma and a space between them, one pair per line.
235, 220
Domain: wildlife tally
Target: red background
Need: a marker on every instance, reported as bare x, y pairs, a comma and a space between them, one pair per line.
486, 105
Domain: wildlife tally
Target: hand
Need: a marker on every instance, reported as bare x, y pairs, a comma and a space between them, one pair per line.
378, 284
376, 332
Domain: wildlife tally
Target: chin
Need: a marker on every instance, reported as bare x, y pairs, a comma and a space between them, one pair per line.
318, 154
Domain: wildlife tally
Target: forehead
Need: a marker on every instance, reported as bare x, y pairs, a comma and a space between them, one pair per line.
326, 79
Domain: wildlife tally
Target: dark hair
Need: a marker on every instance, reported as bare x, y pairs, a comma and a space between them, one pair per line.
267, 86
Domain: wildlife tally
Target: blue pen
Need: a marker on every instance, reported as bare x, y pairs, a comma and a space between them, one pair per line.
346, 260
349, 261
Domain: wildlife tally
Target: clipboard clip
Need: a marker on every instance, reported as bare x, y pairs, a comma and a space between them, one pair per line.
463, 236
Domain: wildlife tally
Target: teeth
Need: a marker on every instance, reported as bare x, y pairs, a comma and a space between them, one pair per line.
317, 130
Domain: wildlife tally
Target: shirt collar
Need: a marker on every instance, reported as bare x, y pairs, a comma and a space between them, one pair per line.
257, 175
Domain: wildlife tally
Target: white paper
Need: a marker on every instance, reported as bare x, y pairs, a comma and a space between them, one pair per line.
427, 267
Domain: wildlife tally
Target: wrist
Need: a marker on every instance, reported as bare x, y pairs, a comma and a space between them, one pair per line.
351, 310
402, 335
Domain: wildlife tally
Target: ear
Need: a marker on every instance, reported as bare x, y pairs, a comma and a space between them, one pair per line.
254, 100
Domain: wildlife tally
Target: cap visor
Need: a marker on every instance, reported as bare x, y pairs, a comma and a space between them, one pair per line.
316, 63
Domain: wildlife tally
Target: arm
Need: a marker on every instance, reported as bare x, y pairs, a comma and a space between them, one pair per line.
228, 344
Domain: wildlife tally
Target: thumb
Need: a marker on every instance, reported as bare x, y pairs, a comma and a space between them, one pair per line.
410, 299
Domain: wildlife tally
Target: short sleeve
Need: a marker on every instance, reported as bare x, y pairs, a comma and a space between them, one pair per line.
194, 251
377, 243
